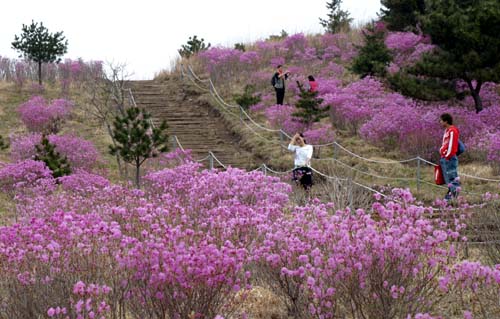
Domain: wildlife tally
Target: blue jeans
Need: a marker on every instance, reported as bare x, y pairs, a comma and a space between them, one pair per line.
450, 174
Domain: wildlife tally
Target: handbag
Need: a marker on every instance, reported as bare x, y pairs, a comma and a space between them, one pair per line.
438, 175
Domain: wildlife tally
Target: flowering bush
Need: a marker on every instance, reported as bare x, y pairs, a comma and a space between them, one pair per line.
64, 247
482, 284
320, 134
184, 238
347, 263
83, 181
407, 47
39, 116
80, 153
278, 114
86, 302
190, 242
26, 176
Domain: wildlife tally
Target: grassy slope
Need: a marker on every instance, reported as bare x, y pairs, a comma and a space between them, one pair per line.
80, 124
255, 140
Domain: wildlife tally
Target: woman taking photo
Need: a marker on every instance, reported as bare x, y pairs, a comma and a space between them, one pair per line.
303, 153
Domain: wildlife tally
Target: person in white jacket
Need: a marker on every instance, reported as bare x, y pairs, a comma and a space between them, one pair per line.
303, 153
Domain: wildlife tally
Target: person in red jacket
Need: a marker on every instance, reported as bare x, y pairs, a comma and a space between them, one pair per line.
313, 85
448, 153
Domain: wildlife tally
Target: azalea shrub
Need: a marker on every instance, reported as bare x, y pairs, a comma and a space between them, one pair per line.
348, 263
161, 253
83, 181
193, 242
81, 154
29, 176
477, 285
40, 116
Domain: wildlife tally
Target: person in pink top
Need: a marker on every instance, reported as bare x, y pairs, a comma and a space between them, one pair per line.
448, 153
313, 85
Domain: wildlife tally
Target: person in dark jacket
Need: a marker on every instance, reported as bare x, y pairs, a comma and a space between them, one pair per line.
278, 82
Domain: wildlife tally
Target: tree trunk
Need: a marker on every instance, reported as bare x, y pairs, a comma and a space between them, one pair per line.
40, 73
138, 174
120, 168
475, 94
477, 101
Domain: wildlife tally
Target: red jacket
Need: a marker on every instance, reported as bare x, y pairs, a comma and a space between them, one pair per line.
313, 86
450, 143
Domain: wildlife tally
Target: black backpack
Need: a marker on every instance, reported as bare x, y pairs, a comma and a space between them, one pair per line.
273, 80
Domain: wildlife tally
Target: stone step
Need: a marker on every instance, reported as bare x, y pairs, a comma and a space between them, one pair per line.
196, 124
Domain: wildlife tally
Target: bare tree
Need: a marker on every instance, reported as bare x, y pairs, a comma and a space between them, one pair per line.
106, 97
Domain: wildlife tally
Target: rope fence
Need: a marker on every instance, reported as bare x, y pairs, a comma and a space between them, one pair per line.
244, 115
212, 158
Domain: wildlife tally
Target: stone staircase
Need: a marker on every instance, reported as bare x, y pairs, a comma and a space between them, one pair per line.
197, 125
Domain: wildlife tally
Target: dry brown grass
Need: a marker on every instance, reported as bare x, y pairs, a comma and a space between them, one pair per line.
261, 303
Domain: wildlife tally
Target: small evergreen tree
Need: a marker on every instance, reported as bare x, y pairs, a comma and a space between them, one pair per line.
136, 139
276, 37
401, 15
40, 46
374, 56
46, 152
337, 19
468, 36
247, 98
193, 46
309, 105
239, 46
3, 144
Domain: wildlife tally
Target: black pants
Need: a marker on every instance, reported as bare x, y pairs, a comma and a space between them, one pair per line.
280, 96
303, 175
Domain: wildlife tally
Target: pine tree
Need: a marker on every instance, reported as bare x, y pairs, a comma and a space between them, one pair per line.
401, 15
240, 47
193, 46
374, 56
248, 98
309, 105
37, 44
468, 36
46, 152
337, 19
137, 140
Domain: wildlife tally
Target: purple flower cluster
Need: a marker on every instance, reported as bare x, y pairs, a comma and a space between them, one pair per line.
26, 176
320, 134
407, 47
83, 181
192, 242
185, 238
280, 117
40, 116
80, 152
